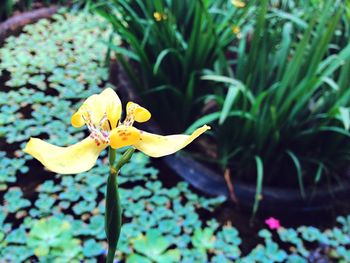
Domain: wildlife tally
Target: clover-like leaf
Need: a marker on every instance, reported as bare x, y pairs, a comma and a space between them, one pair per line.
53, 236
17, 236
91, 248
203, 238
153, 245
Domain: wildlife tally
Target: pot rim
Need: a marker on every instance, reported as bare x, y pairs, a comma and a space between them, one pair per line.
273, 198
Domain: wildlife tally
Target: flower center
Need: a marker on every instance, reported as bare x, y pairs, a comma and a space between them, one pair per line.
98, 132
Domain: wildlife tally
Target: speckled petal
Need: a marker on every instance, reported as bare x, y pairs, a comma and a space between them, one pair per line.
124, 136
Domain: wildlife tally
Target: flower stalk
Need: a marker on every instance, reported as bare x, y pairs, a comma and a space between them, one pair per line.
113, 214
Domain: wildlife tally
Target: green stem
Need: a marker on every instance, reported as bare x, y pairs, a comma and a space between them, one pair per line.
112, 153
113, 214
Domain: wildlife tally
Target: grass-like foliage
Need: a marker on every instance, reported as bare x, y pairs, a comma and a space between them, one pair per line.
272, 74
285, 112
168, 44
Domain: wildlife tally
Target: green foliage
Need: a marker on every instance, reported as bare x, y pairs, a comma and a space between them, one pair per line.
227, 243
8, 169
281, 78
70, 72
92, 248
170, 43
288, 93
331, 244
52, 240
63, 219
78, 199
154, 247
203, 238
14, 200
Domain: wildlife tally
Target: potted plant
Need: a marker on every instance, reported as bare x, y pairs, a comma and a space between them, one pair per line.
276, 93
284, 121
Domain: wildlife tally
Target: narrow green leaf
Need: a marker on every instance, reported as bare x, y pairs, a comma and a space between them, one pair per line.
298, 170
335, 129
319, 173
344, 116
233, 82
161, 56
291, 17
209, 118
331, 83
229, 100
259, 182
123, 51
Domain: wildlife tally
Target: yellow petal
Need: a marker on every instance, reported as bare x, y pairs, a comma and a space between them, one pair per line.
113, 106
96, 106
157, 146
73, 159
157, 16
238, 3
77, 120
124, 136
137, 113
93, 108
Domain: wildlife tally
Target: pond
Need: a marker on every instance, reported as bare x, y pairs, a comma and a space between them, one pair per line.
46, 73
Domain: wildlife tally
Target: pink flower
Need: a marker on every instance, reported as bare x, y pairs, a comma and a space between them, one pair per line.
273, 223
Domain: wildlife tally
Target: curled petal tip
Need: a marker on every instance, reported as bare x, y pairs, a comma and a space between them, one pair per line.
137, 112
142, 115
27, 147
158, 146
77, 120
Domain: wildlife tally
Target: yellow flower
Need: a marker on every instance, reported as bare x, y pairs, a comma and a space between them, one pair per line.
159, 16
238, 3
101, 114
235, 30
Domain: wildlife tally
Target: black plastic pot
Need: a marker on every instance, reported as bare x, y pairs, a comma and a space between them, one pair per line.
273, 199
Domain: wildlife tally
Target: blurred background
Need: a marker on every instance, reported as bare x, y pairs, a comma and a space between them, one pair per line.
270, 182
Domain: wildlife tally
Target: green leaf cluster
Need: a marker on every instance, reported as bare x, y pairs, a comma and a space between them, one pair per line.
284, 106
170, 43
52, 240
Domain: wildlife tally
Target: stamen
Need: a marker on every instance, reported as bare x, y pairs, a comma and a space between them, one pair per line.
98, 132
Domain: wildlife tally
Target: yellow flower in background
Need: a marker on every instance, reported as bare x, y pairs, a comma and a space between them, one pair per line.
159, 16
238, 3
235, 30
101, 114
